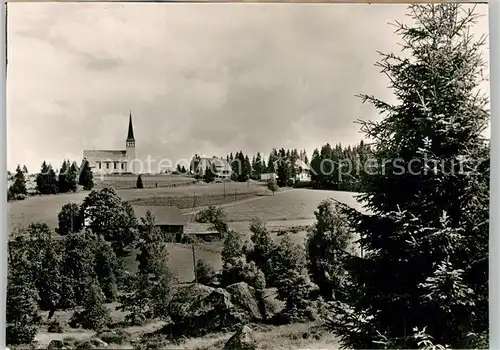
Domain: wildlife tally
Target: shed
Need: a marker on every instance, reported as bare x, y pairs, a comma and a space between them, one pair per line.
168, 218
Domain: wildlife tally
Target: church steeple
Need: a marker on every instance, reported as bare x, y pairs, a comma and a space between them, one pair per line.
130, 136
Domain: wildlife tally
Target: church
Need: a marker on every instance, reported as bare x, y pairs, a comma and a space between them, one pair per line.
114, 161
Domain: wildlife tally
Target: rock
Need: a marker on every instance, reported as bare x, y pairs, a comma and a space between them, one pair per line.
199, 309
241, 340
244, 297
55, 344
100, 344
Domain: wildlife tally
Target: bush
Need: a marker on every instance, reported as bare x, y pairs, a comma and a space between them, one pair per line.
214, 215
204, 272
272, 185
55, 327
20, 196
113, 337
242, 271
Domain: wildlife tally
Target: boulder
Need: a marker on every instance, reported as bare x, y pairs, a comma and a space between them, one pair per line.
209, 311
244, 297
55, 344
243, 339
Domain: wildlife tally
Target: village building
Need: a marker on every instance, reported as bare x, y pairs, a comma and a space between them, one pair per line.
168, 218
221, 168
114, 161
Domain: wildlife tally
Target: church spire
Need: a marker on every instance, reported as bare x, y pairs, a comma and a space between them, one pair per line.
130, 136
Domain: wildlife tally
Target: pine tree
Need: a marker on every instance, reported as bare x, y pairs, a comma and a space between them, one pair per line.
19, 185
139, 183
46, 180
72, 177
63, 180
25, 169
86, 178
425, 260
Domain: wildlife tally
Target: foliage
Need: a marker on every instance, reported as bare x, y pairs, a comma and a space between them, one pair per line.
86, 178
22, 314
340, 167
139, 183
233, 248
204, 272
239, 270
425, 260
262, 246
149, 291
289, 276
272, 185
216, 216
46, 180
104, 213
69, 219
68, 177
326, 244
94, 314
209, 175
18, 188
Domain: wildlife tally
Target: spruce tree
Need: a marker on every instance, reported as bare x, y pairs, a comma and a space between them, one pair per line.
19, 185
139, 183
72, 177
425, 261
46, 180
86, 178
63, 179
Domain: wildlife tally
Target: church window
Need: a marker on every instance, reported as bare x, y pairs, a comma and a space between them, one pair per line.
99, 165
107, 165
116, 165
123, 166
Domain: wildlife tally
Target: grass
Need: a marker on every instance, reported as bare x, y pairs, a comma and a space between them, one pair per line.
46, 208
149, 181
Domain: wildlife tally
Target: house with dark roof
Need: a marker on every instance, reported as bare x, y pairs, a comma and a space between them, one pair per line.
169, 218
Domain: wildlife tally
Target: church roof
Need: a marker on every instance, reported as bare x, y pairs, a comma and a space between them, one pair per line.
130, 135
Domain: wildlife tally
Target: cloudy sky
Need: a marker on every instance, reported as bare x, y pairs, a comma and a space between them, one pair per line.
198, 78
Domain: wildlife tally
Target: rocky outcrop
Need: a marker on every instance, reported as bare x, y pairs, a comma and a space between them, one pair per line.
199, 309
243, 339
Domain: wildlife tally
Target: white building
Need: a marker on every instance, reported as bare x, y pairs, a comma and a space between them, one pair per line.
114, 161
303, 173
220, 166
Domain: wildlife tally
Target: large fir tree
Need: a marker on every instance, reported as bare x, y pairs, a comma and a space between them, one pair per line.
425, 246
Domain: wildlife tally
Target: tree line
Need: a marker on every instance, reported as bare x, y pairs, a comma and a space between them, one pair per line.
48, 182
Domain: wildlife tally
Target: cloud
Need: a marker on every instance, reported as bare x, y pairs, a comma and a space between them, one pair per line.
199, 78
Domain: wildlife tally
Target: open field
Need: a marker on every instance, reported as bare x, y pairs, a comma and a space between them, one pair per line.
45, 208
149, 181
296, 204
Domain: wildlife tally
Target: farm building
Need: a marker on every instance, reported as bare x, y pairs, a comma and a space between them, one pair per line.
169, 218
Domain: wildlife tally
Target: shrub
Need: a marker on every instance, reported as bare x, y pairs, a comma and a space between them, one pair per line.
242, 271
204, 272
55, 327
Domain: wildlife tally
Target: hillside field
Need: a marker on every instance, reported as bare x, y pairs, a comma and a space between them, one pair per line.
45, 208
